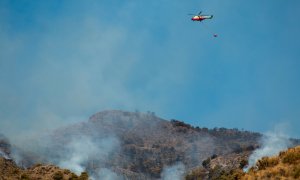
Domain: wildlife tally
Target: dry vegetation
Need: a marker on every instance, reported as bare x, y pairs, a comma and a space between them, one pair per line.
147, 145
10, 171
284, 166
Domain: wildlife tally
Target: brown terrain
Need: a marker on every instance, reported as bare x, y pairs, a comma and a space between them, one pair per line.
286, 165
145, 145
10, 171
149, 143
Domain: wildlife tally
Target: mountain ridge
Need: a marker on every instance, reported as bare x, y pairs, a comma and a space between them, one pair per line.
148, 144
137, 145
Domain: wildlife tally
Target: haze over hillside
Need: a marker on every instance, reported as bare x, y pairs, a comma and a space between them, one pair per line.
62, 61
119, 144
133, 144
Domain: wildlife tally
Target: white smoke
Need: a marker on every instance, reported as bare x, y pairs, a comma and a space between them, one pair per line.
107, 174
175, 172
80, 150
3, 154
272, 144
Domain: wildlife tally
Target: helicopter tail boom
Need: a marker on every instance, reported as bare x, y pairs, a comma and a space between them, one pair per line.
207, 17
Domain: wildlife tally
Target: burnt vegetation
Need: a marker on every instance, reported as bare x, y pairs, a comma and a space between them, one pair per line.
148, 144
286, 165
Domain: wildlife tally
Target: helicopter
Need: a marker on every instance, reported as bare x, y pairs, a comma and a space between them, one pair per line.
199, 17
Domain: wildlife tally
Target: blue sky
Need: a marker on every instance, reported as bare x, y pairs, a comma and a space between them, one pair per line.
62, 61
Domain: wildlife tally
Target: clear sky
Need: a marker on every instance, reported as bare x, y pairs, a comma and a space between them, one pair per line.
63, 60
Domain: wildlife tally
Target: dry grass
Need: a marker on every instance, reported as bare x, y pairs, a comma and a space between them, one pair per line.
10, 171
266, 162
284, 166
292, 156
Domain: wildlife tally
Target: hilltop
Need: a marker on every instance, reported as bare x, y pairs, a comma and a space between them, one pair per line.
138, 145
141, 145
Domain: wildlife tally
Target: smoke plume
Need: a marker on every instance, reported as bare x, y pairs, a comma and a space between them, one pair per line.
4, 155
175, 172
271, 144
75, 152
107, 174
79, 151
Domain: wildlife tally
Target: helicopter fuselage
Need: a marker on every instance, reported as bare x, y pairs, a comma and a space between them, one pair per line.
201, 17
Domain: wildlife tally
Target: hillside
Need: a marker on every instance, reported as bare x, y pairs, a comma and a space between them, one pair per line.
138, 145
10, 171
286, 165
141, 145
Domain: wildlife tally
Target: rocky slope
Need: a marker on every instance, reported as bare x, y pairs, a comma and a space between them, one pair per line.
134, 145
10, 171
286, 165
147, 144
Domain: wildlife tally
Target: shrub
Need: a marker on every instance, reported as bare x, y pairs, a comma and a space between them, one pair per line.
16, 171
67, 171
296, 172
37, 165
282, 172
73, 177
233, 174
291, 157
206, 162
267, 162
216, 172
243, 163
214, 156
84, 176
58, 176
250, 148
24, 177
